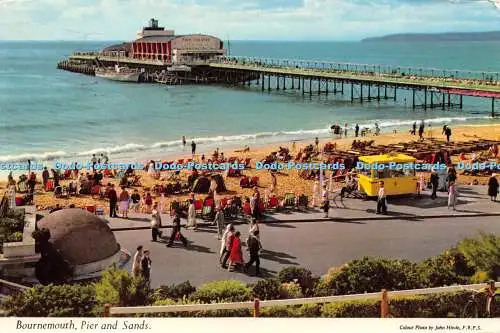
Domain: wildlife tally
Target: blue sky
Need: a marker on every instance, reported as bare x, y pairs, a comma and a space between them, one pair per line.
242, 19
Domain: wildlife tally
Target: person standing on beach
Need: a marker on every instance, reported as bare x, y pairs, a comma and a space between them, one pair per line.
124, 202
356, 130
447, 132
183, 141
136, 264
381, 200
45, 178
93, 160
346, 126
493, 187
316, 142
113, 198
421, 130
414, 129
193, 147
136, 201
274, 182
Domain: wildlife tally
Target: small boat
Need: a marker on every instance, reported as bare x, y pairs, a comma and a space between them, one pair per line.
118, 73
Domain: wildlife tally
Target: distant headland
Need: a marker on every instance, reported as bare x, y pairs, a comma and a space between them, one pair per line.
438, 37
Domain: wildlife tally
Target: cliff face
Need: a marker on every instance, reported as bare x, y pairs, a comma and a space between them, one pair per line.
440, 37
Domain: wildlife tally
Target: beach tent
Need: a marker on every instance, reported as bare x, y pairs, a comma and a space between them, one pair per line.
201, 185
221, 186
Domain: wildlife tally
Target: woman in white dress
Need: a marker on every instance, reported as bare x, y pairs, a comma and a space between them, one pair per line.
11, 193
191, 215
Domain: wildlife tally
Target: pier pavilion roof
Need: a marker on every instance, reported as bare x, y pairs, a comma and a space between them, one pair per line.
127, 47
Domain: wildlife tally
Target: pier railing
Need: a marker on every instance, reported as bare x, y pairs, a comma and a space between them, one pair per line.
364, 69
257, 304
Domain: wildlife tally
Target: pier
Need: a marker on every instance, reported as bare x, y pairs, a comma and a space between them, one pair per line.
426, 88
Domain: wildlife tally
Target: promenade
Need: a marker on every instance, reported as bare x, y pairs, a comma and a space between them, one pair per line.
414, 229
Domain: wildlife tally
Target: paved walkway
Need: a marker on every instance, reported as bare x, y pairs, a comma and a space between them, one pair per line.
473, 201
316, 246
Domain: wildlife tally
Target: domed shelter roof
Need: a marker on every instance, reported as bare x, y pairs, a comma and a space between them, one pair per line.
81, 237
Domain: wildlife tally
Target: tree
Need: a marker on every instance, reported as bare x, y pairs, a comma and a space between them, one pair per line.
483, 253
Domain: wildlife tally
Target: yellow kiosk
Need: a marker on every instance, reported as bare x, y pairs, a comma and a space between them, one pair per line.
395, 170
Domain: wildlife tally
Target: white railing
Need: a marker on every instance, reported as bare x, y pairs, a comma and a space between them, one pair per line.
256, 305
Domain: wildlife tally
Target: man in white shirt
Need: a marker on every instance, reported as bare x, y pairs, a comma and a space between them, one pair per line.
381, 203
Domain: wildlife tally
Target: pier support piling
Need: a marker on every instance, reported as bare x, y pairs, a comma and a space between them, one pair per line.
493, 107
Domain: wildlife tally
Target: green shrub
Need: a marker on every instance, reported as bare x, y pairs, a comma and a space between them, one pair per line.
321, 288
118, 288
373, 275
443, 305
216, 313
52, 301
268, 289
448, 268
222, 291
352, 309
299, 311
175, 291
299, 275
290, 290
15, 237
479, 277
483, 253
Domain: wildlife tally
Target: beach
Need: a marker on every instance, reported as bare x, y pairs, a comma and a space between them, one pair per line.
288, 181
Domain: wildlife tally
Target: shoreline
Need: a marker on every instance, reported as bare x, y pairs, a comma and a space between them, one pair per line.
133, 151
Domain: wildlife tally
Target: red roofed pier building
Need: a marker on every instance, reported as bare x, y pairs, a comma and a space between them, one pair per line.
157, 43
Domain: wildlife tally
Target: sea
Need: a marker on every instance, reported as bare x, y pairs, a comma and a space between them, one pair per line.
48, 114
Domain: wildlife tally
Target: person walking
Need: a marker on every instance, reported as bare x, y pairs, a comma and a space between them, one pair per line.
316, 142
421, 129
235, 254
435, 184
381, 199
191, 215
452, 195
220, 222
136, 264
124, 203
226, 242
253, 226
254, 246
155, 223
146, 267
183, 141
356, 130
176, 232
193, 147
346, 126
447, 132
113, 199
414, 129
493, 187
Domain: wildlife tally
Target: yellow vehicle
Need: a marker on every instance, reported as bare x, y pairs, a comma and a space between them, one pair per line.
396, 170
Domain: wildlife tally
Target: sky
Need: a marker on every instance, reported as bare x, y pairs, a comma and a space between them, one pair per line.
340, 20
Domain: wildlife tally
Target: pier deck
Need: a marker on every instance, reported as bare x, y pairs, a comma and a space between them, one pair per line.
459, 86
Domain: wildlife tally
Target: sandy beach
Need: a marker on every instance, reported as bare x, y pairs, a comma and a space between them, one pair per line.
287, 180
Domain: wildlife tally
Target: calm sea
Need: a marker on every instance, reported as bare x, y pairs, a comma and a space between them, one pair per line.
46, 113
